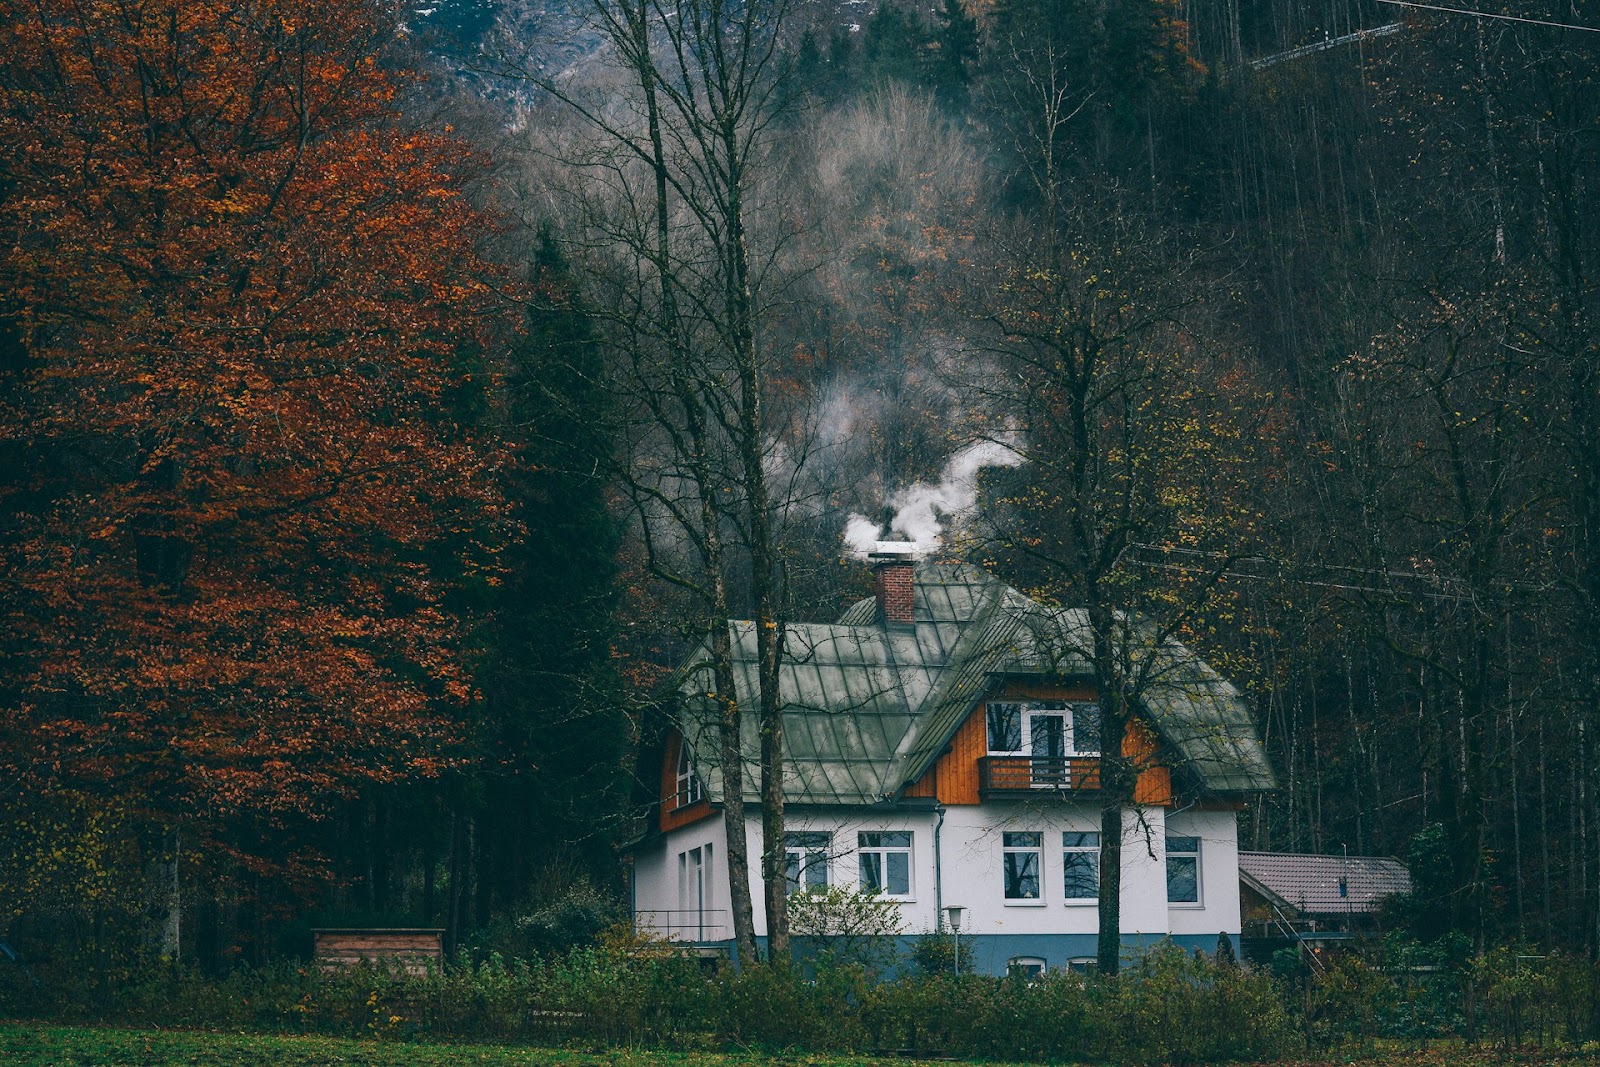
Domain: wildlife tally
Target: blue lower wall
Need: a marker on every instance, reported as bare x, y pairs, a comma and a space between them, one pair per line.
991, 953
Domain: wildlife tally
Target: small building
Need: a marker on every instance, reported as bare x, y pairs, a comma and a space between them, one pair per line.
412, 950
943, 749
1315, 902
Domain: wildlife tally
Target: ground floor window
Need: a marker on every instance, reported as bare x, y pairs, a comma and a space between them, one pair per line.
885, 862
1021, 864
1183, 870
1080, 862
805, 859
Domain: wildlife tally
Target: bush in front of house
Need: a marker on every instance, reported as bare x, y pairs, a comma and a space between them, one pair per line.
1167, 1005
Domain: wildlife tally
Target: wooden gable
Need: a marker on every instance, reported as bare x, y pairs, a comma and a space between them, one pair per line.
672, 815
955, 778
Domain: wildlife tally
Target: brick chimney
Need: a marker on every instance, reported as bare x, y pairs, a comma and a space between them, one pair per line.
892, 566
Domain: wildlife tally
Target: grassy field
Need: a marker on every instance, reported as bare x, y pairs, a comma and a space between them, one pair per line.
36, 1045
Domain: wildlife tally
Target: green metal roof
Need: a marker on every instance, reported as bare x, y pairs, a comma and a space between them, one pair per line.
869, 707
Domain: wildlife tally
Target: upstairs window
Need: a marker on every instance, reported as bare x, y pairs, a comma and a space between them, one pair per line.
688, 783
885, 862
1005, 726
1080, 864
1183, 870
1043, 729
1022, 863
805, 861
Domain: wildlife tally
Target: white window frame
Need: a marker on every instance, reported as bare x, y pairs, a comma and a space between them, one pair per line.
694, 890
1199, 869
1029, 968
1036, 850
883, 852
688, 791
1069, 710
1084, 848
805, 856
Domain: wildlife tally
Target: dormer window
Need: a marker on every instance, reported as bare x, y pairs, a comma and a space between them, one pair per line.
688, 791
1044, 729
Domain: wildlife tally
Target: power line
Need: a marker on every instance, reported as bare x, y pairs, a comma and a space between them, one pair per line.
1491, 15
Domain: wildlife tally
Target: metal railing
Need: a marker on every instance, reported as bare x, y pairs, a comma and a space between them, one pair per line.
1023, 774
685, 924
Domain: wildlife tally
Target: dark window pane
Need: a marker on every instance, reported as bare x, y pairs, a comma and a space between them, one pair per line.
805, 839
1183, 880
871, 872
1182, 844
1005, 727
1049, 736
817, 873
899, 874
1022, 875
1082, 879
1076, 840
886, 839
1022, 840
1086, 729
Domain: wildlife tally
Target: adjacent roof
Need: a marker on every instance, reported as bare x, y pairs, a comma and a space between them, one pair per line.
1310, 884
869, 707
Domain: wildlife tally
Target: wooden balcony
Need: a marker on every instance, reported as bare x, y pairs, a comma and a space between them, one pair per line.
1020, 776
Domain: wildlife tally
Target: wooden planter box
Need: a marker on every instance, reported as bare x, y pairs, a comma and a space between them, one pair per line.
412, 950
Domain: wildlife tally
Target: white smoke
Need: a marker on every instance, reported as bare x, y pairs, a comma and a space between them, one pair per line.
922, 510
861, 535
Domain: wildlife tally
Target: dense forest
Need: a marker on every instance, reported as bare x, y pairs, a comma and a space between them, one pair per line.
392, 396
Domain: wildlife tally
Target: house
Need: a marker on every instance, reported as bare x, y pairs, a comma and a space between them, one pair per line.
942, 750
1314, 902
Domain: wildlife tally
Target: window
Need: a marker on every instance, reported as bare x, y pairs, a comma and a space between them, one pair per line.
1053, 729
1183, 870
885, 858
805, 861
1080, 863
1005, 727
694, 892
1029, 968
688, 782
1022, 865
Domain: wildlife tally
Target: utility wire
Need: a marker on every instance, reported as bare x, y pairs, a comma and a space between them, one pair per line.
1491, 15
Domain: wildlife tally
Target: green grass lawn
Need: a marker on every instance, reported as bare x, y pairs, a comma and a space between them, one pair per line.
43, 1045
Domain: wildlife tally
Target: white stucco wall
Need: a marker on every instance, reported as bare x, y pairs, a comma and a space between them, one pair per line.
970, 846
660, 901
1218, 912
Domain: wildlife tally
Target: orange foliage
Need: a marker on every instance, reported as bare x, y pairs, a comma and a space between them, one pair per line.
249, 314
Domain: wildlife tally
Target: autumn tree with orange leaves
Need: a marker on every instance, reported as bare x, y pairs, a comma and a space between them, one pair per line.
244, 340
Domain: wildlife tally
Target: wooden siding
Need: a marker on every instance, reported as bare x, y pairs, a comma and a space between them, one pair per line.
1154, 786
954, 778
672, 816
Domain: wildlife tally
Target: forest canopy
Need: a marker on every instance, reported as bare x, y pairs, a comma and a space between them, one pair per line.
391, 397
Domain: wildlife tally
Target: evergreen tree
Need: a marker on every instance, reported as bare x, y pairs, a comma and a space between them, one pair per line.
554, 734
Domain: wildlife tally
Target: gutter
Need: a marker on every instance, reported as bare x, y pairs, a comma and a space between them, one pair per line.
938, 870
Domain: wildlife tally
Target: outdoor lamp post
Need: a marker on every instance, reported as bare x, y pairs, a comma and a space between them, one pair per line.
954, 912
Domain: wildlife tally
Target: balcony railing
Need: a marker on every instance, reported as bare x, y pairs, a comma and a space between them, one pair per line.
689, 924
1023, 775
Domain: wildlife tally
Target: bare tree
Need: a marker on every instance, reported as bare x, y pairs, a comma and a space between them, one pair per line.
668, 187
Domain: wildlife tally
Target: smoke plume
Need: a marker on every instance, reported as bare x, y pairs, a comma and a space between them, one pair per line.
922, 510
